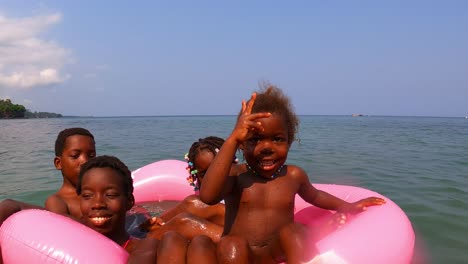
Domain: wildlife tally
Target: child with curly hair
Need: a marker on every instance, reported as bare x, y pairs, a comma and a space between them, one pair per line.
259, 194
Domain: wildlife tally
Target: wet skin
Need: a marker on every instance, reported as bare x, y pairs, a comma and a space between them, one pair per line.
259, 207
202, 162
104, 203
266, 151
78, 149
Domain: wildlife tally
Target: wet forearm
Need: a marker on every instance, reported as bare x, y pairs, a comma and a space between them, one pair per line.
9, 207
327, 201
218, 172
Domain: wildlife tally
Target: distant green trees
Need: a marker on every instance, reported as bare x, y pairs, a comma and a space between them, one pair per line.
30, 114
10, 110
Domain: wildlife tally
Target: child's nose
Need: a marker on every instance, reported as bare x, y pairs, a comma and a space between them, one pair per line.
98, 202
266, 147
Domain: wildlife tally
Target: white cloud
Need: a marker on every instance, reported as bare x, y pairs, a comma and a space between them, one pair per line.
26, 59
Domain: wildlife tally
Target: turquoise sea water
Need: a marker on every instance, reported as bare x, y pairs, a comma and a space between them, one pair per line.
421, 163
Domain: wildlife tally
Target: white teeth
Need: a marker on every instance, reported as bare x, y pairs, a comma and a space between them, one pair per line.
99, 220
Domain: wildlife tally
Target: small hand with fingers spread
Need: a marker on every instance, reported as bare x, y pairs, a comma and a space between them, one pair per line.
247, 122
361, 205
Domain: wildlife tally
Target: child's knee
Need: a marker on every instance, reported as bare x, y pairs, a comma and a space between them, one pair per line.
202, 243
233, 249
201, 250
171, 238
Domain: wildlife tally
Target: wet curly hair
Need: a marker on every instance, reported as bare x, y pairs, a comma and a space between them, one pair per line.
272, 99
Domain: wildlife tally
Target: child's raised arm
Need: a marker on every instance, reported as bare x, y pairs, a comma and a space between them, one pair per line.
215, 183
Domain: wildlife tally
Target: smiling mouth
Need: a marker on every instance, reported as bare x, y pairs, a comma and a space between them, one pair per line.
100, 220
267, 165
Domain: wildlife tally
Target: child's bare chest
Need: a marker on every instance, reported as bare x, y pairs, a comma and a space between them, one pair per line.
73, 205
275, 194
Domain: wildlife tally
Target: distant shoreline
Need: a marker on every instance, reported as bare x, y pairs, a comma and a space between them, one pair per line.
145, 116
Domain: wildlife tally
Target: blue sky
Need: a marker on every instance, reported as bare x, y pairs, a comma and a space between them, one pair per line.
126, 58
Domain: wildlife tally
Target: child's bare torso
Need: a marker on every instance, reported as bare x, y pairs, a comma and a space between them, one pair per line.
258, 208
70, 203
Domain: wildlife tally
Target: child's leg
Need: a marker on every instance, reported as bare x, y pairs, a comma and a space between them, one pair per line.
201, 250
172, 248
193, 205
189, 226
143, 251
295, 243
233, 249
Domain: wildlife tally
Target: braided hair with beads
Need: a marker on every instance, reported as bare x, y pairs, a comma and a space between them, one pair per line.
212, 144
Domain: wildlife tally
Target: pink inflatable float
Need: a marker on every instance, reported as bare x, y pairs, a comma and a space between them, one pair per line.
39, 236
381, 234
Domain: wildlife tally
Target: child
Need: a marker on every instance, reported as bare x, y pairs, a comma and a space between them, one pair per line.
192, 216
73, 147
259, 223
198, 158
105, 188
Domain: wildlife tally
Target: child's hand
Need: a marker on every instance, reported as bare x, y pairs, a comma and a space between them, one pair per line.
361, 205
247, 121
148, 224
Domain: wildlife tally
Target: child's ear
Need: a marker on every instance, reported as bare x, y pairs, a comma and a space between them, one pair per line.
58, 163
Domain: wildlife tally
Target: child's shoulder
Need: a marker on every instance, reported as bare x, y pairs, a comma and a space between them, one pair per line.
295, 171
56, 203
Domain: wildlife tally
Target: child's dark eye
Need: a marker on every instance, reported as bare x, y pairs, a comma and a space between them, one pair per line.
254, 139
112, 195
86, 196
279, 139
92, 155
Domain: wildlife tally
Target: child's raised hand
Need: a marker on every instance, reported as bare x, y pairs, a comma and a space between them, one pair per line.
361, 205
247, 121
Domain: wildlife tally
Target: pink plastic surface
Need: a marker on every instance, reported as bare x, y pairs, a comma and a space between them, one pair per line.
161, 180
381, 234
39, 236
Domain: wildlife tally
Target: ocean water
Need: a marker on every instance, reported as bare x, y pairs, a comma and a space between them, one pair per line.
421, 163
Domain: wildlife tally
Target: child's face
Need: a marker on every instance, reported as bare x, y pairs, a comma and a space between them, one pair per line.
104, 201
202, 162
77, 150
266, 151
